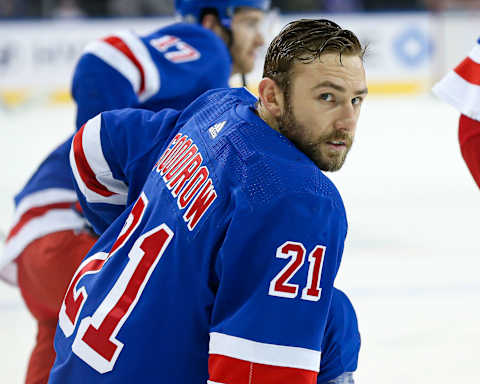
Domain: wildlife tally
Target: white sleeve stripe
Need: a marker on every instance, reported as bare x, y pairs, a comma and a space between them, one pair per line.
152, 77
92, 149
73, 164
44, 197
459, 93
52, 221
263, 353
117, 60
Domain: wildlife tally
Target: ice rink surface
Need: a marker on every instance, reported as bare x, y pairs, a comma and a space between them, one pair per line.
411, 264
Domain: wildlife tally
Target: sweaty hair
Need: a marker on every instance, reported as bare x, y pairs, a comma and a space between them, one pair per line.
304, 41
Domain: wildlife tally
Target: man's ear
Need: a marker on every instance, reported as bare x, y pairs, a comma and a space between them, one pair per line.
210, 21
271, 96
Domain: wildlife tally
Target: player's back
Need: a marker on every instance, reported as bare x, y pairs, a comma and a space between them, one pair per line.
173, 279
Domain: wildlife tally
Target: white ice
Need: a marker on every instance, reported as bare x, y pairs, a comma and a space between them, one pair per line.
410, 263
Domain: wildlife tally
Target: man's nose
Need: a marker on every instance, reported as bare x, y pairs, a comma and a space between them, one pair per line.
347, 118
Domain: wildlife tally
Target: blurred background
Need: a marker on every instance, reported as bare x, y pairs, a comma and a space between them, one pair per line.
411, 42
411, 262
115, 8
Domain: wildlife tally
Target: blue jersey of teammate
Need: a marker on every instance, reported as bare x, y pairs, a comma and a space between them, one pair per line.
167, 68
222, 266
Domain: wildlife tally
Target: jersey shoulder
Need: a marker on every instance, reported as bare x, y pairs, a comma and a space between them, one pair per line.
192, 51
203, 40
188, 55
169, 67
264, 163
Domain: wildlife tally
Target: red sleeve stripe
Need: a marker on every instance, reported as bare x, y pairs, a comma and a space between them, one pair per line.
42, 222
34, 213
228, 370
461, 94
117, 60
119, 44
128, 54
141, 52
44, 197
90, 169
39, 214
84, 169
469, 70
263, 353
461, 86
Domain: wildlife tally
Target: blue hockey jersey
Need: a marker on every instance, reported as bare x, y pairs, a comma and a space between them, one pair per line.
222, 266
167, 68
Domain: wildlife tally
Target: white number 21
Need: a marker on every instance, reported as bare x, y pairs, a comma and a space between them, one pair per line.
280, 286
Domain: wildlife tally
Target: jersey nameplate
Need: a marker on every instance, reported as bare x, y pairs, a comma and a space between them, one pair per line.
184, 174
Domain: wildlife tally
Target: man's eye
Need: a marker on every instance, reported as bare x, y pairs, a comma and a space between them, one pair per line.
251, 23
357, 100
326, 96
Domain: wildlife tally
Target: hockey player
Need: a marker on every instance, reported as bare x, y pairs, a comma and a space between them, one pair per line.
168, 68
221, 235
461, 88
173, 65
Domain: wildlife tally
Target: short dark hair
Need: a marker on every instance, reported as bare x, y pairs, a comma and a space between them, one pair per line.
304, 41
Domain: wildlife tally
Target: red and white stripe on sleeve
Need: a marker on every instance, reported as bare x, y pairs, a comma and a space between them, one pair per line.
37, 215
90, 169
461, 86
126, 53
234, 360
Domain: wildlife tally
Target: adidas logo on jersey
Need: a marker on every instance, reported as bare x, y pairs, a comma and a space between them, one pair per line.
214, 130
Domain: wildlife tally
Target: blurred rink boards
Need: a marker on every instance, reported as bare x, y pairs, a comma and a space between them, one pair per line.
410, 265
406, 51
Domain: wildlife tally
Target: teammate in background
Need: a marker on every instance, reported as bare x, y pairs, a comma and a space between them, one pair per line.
168, 68
461, 88
221, 237
173, 65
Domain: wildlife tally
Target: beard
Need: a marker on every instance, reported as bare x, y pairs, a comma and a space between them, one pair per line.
296, 132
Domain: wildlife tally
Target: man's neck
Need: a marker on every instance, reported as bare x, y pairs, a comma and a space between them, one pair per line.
266, 116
